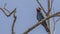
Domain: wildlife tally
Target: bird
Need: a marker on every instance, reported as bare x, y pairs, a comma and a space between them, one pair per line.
40, 17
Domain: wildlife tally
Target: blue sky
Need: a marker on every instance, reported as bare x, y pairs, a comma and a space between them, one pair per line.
26, 16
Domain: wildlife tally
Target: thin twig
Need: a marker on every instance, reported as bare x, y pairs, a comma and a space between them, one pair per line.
34, 26
58, 19
52, 3
54, 26
53, 32
5, 8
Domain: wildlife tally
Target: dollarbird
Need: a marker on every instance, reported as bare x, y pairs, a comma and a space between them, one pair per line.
40, 17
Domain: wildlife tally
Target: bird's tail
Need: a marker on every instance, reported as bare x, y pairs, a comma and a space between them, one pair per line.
45, 26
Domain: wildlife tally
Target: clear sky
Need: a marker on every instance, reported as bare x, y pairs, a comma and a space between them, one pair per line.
26, 16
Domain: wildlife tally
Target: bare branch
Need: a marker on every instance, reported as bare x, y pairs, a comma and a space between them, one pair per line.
49, 8
53, 32
48, 14
14, 22
3, 12
5, 7
52, 3
7, 10
9, 13
34, 26
54, 25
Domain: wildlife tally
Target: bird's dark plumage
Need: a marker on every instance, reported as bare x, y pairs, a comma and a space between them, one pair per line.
40, 17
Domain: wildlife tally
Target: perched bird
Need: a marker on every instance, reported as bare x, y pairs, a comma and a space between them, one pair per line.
40, 17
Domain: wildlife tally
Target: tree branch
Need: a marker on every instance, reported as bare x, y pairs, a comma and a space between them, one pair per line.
48, 14
34, 26
9, 13
14, 22
49, 7
5, 7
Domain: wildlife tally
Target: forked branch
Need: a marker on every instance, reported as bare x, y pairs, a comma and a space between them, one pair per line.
10, 13
34, 26
7, 14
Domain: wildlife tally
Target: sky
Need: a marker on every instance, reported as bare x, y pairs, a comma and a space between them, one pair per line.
26, 16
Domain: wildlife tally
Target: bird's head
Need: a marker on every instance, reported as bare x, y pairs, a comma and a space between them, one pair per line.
38, 9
